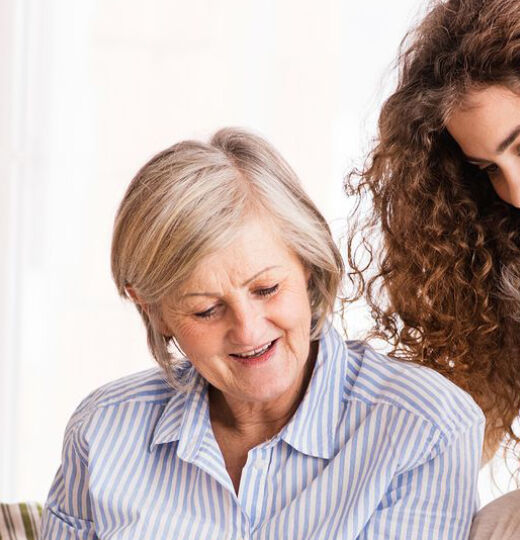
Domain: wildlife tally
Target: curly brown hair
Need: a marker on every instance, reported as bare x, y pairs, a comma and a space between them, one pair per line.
441, 249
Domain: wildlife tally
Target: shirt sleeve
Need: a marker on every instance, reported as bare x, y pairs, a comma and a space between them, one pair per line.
435, 500
67, 514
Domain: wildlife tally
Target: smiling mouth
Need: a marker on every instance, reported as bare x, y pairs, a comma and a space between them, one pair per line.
255, 353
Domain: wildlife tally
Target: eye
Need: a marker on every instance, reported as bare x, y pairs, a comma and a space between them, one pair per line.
207, 314
267, 291
490, 169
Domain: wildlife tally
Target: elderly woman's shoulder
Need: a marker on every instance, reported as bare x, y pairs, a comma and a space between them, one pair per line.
146, 387
379, 380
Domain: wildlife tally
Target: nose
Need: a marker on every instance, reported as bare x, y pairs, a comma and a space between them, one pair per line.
246, 327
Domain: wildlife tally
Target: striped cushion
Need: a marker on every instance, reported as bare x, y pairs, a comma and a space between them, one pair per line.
20, 521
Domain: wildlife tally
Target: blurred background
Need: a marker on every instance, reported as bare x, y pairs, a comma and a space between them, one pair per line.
88, 92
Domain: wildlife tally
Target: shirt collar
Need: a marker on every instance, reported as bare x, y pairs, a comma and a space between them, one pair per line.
312, 430
185, 419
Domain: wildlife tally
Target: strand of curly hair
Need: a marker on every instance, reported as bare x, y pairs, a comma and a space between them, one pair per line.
431, 257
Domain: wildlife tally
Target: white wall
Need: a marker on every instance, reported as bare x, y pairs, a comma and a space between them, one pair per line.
93, 89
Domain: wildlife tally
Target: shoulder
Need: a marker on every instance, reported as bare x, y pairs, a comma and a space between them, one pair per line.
148, 387
378, 380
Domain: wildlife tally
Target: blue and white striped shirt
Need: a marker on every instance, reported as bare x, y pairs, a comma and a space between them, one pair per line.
378, 449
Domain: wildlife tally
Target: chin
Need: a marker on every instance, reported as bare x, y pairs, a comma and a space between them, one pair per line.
268, 389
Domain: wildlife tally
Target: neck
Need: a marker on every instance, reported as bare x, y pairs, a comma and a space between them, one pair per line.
258, 422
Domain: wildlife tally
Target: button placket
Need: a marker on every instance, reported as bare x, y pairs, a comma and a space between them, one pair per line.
252, 497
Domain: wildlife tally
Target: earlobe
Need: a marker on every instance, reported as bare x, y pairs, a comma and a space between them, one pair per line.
153, 312
308, 276
130, 292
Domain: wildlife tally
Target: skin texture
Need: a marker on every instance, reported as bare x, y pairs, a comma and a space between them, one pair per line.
239, 299
489, 118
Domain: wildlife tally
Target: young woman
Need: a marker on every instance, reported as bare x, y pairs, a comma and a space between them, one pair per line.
444, 181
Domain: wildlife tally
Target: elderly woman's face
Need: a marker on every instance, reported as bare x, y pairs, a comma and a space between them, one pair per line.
243, 317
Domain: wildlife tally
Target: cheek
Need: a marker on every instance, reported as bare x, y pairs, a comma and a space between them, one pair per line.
202, 346
293, 310
180, 328
295, 319
195, 339
500, 187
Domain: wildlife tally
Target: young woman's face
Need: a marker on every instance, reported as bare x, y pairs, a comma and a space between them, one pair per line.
487, 130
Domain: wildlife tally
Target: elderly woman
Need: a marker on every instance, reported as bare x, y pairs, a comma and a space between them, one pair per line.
261, 423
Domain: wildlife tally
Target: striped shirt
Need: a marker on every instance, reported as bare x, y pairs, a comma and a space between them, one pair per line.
377, 449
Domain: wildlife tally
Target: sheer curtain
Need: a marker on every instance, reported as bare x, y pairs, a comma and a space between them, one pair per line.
90, 90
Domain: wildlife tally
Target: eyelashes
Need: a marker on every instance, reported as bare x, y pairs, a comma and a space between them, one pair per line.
490, 169
211, 312
206, 314
267, 291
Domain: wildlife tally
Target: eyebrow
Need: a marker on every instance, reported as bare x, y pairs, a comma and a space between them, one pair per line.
242, 285
508, 140
500, 148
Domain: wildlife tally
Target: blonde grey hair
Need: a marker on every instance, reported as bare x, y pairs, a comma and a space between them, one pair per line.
190, 200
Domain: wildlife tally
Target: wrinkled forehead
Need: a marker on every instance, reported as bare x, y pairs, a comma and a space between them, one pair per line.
253, 249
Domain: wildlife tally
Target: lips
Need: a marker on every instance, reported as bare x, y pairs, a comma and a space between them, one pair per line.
255, 353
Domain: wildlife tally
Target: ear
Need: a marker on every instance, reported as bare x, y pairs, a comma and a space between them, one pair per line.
153, 312
136, 299
308, 274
